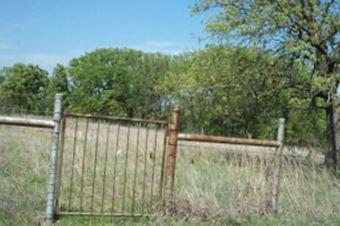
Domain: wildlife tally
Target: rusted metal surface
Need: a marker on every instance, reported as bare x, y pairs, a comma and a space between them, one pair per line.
115, 170
95, 166
83, 167
105, 168
144, 171
135, 171
117, 118
161, 182
153, 156
112, 158
26, 122
228, 140
73, 159
171, 157
126, 165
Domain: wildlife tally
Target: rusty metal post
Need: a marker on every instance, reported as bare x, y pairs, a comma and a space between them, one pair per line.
51, 193
171, 157
277, 167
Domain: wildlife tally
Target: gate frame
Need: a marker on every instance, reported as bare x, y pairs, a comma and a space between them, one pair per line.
163, 173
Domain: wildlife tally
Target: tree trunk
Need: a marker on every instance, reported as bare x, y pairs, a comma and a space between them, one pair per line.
331, 155
130, 112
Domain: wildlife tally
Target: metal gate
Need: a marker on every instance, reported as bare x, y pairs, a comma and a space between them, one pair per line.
110, 166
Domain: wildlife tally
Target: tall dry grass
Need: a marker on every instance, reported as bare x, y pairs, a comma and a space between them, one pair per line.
209, 184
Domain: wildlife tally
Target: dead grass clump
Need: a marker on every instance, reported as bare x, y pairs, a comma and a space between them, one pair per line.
216, 184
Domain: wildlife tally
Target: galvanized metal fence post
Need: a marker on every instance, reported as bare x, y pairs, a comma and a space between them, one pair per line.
277, 167
51, 193
171, 157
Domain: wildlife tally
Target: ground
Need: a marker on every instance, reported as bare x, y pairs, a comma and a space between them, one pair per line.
212, 188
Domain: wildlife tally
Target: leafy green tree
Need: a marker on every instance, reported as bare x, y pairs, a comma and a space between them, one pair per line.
232, 91
59, 80
304, 30
24, 86
117, 81
59, 83
2, 76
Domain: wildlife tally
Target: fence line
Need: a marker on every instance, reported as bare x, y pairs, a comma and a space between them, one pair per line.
167, 158
55, 126
277, 155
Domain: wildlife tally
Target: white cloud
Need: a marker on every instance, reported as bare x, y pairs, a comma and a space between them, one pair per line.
160, 46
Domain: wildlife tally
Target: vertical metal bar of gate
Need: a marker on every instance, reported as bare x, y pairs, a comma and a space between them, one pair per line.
73, 159
105, 167
130, 175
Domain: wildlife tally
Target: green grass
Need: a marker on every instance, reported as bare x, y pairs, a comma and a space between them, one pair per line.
211, 188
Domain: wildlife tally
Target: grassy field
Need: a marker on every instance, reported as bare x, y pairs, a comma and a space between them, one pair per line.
212, 187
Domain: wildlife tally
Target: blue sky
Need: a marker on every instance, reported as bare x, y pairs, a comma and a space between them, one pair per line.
47, 32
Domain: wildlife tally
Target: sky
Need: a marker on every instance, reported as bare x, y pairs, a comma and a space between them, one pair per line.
47, 32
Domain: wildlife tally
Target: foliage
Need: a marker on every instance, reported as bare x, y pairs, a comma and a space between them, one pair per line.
304, 30
59, 80
237, 91
59, 83
222, 90
24, 86
117, 81
307, 29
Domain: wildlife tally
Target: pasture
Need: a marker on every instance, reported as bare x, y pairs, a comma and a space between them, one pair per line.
211, 186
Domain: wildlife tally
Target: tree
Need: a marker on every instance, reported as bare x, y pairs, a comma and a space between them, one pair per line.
117, 81
58, 84
2, 76
303, 30
59, 80
24, 86
232, 91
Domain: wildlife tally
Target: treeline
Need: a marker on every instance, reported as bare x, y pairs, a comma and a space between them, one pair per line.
232, 91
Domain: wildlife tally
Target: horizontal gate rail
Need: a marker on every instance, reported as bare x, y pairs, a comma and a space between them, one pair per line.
26, 122
114, 118
228, 140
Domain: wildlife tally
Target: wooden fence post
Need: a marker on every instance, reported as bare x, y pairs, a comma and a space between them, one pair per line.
51, 193
171, 157
277, 167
